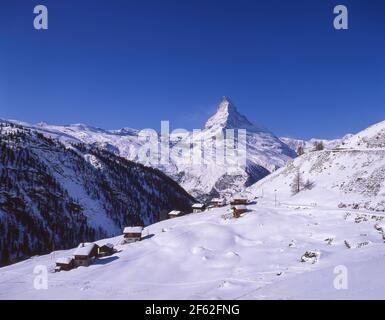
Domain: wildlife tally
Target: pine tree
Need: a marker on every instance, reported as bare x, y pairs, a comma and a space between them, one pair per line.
300, 151
318, 146
297, 183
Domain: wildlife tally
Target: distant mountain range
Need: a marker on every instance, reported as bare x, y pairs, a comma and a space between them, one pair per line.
265, 152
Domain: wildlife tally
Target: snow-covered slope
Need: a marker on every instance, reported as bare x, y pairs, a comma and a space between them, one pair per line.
346, 178
264, 151
309, 145
211, 256
54, 195
370, 138
352, 174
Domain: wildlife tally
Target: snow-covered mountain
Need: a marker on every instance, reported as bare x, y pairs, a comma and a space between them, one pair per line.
210, 178
228, 117
54, 195
263, 147
350, 175
264, 154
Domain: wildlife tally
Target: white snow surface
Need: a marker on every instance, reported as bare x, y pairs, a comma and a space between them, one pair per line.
65, 260
84, 249
213, 256
133, 230
175, 213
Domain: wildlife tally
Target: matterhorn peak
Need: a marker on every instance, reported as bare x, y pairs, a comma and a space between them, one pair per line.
226, 105
228, 117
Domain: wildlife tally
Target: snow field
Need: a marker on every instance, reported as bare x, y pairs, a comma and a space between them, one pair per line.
205, 256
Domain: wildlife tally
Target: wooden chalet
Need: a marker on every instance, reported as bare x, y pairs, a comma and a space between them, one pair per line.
64, 264
175, 214
85, 254
198, 207
106, 250
132, 234
238, 210
238, 200
217, 203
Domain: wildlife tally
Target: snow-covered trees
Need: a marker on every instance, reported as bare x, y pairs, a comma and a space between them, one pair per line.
40, 210
297, 183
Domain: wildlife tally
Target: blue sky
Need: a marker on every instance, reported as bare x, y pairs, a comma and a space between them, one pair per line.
134, 63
